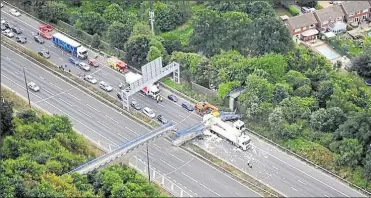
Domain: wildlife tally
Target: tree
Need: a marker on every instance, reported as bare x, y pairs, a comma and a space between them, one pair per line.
296, 108
93, 22
280, 92
6, 113
274, 64
119, 34
327, 120
94, 6
350, 152
95, 41
153, 53
260, 9
141, 28
268, 35
191, 65
170, 15
367, 167
362, 63
240, 6
210, 27
296, 79
225, 88
302, 59
53, 11
137, 50
113, 13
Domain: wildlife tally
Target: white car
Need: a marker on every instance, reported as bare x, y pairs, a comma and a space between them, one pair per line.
84, 66
90, 79
8, 33
105, 86
33, 86
3, 21
149, 112
14, 12
2, 5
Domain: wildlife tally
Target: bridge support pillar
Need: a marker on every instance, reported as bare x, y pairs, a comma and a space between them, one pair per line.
181, 192
172, 186
154, 174
162, 180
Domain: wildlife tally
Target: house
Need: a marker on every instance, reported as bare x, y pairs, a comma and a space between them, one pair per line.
303, 26
328, 16
356, 11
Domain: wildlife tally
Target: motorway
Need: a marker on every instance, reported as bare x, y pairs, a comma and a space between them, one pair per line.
98, 121
299, 178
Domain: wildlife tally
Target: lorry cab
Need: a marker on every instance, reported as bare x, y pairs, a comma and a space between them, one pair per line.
82, 53
244, 142
151, 91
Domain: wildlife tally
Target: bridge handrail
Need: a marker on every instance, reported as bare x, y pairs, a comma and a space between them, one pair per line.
149, 134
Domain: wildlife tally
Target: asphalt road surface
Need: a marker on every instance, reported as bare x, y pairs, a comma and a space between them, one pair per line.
100, 122
287, 179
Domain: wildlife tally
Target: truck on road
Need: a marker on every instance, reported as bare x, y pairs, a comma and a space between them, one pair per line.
70, 45
231, 132
117, 64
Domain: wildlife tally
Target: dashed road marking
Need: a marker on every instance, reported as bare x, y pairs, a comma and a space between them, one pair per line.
157, 146
301, 182
56, 86
60, 58
93, 108
16, 72
65, 102
275, 168
181, 116
8, 58
176, 157
294, 188
84, 113
112, 119
167, 164
41, 77
122, 136
47, 91
161, 105
74, 97
131, 130
104, 125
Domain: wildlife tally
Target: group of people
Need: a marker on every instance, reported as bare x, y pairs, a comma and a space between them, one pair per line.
158, 98
65, 67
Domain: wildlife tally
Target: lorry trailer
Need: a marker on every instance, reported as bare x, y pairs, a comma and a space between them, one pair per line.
70, 45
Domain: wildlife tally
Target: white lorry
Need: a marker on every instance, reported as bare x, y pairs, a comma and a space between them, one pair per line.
152, 90
233, 133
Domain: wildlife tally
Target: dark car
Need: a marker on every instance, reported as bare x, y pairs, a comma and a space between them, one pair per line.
17, 30
8, 25
161, 119
3, 27
119, 96
73, 60
368, 82
44, 53
38, 39
21, 39
172, 98
135, 105
188, 106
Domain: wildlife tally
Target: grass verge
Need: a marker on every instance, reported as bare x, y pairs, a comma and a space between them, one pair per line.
235, 173
99, 95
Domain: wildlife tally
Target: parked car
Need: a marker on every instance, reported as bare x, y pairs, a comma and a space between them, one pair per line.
8, 33
2, 5
73, 60
161, 119
8, 25
44, 53
119, 96
3, 21
105, 86
84, 66
135, 105
3, 27
14, 12
90, 79
21, 39
305, 9
188, 106
149, 112
33, 86
93, 62
368, 82
16, 30
45, 35
172, 98
38, 39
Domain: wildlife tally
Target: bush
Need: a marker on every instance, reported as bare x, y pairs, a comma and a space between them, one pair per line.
293, 11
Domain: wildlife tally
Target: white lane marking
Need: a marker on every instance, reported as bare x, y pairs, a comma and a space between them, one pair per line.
8, 58
189, 177
209, 189
275, 168
60, 58
74, 97
151, 155
54, 46
161, 105
56, 86
303, 172
47, 91
131, 130
41, 77
157, 146
122, 136
93, 108
104, 125
301, 182
65, 102
176, 157
104, 74
30, 41
325, 195
16, 72
112, 119
181, 116
294, 188
167, 164
84, 113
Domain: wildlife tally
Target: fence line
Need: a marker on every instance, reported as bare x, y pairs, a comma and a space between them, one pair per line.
158, 178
